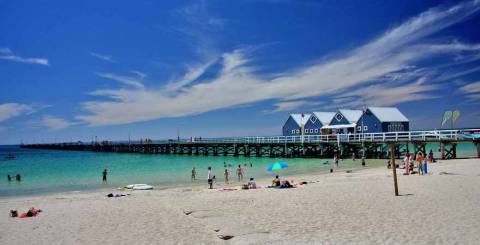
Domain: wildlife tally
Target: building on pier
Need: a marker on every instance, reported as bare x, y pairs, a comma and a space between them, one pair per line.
295, 124
317, 120
382, 119
344, 121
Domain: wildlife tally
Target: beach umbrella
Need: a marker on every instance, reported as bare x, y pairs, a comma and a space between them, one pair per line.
277, 166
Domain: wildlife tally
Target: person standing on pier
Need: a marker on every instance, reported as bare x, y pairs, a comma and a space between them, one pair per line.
210, 178
240, 173
194, 174
104, 176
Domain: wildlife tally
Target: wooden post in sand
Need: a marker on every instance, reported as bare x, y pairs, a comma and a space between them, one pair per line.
394, 167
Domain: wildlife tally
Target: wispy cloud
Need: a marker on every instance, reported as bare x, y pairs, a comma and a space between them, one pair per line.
390, 63
103, 57
11, 110
55, 123
289, 105
134, 81
7, 54
471, 91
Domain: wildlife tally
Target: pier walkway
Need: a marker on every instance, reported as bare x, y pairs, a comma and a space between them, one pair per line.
375, 145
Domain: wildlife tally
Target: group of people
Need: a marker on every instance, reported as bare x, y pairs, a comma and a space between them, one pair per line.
18, 178
421, 163
240, 171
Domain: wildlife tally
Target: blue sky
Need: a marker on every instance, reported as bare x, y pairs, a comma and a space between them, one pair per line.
75, 70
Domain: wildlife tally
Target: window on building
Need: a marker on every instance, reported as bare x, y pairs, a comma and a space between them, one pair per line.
311, 130
297, 131
293, 131
316, 130
339, 117
313, 119
306, 131
365, 128
359, 128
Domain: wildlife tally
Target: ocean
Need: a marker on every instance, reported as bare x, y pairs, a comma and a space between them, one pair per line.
48, 171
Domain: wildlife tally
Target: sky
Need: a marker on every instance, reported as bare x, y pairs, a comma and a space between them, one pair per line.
75, 70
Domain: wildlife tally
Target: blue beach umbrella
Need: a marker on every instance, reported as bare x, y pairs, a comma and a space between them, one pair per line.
277, 166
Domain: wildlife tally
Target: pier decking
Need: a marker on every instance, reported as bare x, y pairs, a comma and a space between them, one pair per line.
375, 145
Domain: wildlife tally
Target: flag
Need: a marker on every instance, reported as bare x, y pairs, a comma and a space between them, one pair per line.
446, 117
455, 116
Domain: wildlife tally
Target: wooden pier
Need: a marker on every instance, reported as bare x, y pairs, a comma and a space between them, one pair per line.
374, 145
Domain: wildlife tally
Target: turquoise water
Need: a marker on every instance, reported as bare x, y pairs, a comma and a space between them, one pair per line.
45, 171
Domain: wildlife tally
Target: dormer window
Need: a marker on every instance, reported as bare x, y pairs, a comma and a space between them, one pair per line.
339, 117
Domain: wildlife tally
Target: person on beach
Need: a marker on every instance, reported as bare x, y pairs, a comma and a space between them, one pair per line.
430, 156
18, 177
353, 156
420, 159
406, 165
226, 174
276, 182
210, 178
363, 161
425, 166
9, 178
104, 175
240, 173
224, 164
335, 159
251, 164
252, 184
194, 174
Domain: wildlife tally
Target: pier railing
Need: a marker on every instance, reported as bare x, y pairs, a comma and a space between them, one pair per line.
407, 136
404, 136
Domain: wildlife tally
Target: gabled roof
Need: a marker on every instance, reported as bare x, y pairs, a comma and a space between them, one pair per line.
298, 118
388, 114
351, 115
324, 116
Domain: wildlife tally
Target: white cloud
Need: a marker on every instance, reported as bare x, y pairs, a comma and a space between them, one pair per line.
471, 91
140, 75
289, 105
55, 123
128, 80
7, 54
392, 54
11, 110
103, 57
193, 73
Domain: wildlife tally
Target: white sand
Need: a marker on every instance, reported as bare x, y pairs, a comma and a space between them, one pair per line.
341, 208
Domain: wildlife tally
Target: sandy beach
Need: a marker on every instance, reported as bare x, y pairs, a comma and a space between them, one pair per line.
339, 208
